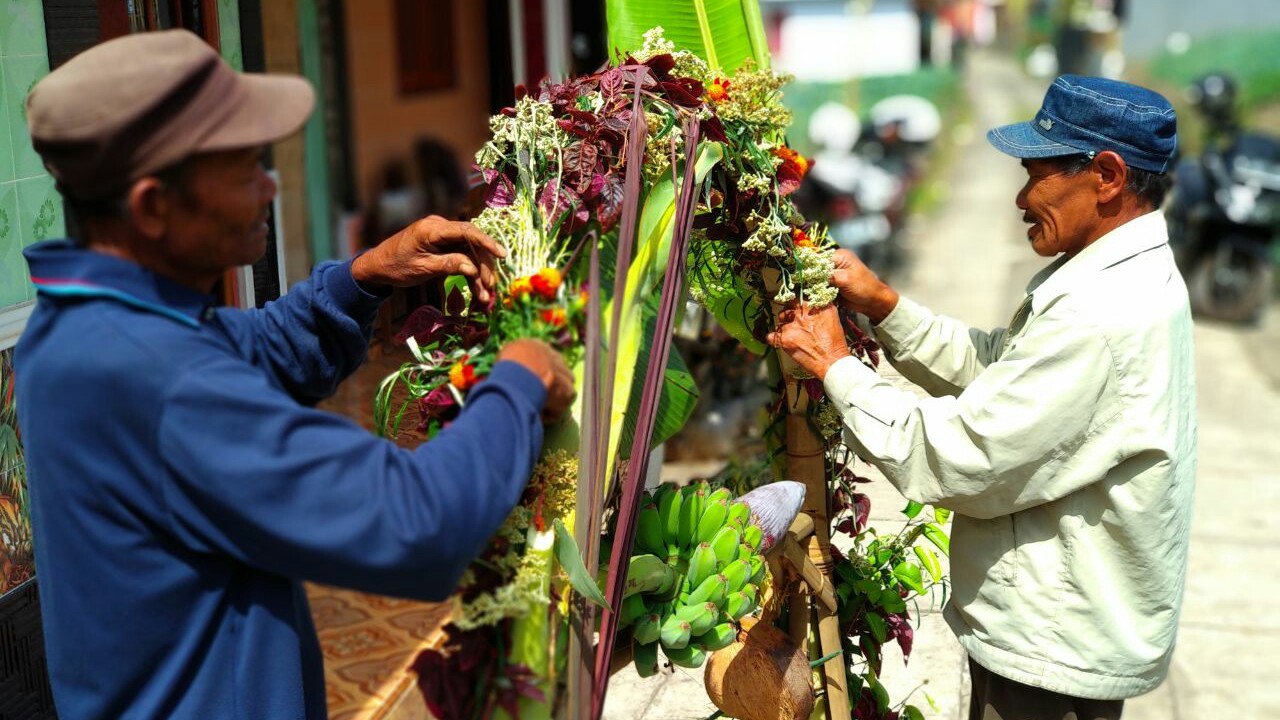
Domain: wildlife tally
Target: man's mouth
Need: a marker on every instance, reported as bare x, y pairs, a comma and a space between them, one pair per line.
1035, 225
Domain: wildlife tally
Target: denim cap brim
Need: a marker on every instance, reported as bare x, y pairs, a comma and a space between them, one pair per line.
1021, 140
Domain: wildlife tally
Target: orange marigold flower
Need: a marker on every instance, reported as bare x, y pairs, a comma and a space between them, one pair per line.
801, 238
546, 282
718, 90
463, 375
794, 160
520, 287
555, 317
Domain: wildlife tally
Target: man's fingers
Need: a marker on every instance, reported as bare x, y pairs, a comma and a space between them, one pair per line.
454, 264
472, 235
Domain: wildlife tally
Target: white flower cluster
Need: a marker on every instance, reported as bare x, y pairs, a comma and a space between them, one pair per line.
687, 64
514, 599
754, 181
813, 267
533, 128
769, 236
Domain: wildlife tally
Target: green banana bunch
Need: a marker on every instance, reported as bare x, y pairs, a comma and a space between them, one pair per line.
713, 518
649, 531
645, 656
718, 637
701, 618
701, 565
695, 574
690, 656
675, 632
725, 544
648, 574
669, 512
648, 629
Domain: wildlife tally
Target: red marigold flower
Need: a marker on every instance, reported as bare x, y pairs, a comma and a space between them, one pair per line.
520, 287
718, 90
792, 160
546, 282
555, 317
801, 238
463, 374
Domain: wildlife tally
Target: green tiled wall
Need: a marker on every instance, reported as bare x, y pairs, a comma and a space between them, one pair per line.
30, 208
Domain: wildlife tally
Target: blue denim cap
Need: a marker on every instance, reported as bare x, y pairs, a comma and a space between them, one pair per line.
1087, 115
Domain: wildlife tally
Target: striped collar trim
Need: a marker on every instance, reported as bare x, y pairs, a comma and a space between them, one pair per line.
72, 287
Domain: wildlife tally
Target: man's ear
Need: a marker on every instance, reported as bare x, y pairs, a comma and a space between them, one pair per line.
1113, 174
149, 206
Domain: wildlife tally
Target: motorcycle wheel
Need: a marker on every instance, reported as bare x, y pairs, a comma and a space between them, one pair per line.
1230, 285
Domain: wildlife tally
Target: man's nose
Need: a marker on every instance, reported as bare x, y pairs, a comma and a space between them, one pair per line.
1021, 200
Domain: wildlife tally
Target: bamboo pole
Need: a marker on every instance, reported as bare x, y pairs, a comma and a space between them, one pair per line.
807, 464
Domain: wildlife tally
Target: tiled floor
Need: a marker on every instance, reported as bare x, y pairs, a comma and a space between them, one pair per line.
369, 641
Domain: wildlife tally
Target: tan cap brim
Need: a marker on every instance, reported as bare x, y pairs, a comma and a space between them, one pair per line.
269, 108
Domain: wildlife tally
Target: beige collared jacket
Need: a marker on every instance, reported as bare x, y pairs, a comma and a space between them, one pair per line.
1066, 447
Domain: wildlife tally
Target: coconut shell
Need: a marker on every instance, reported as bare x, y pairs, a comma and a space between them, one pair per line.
773, 508
763, 675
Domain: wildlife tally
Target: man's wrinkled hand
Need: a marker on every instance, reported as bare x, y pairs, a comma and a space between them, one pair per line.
860, 289
813, 337
549, 366
432, 248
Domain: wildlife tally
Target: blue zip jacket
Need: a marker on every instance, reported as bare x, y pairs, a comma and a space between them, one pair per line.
182, 487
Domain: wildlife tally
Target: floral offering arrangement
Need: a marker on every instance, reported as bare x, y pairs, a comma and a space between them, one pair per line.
611, 192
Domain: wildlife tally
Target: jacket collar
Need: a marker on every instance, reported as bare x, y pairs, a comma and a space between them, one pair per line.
59, 268
1135, 237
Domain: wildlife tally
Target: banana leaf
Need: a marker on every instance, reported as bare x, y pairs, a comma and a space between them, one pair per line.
679, 391
722, 32
673, 293
653, 246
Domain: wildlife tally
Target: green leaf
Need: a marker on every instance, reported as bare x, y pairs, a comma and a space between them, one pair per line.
911, 712
735, 309
881, 695
909, 574
458, 284
653, 246
722, 32
929, 561
938, 537
912, 509
940, 515
892, 603
570, 559
679, 391
879, 629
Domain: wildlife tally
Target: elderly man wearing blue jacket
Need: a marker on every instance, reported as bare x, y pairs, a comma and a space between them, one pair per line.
182, 484
1064, 443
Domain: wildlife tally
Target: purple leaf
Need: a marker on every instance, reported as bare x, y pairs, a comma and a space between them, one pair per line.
612, 194
661, 65
900, 628
436, 405
611, 82
500, 192
861, 512
580, 161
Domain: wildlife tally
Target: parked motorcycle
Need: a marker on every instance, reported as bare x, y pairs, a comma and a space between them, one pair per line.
1224, 210
859, 183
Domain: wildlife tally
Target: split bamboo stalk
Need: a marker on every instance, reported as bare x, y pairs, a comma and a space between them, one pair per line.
807, 464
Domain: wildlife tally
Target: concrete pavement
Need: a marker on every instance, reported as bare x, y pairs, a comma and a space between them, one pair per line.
972, 262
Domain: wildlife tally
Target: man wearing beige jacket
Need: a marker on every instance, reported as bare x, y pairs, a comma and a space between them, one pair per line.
1065, 444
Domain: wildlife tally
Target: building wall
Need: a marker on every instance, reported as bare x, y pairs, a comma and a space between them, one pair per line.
385, 125
30, 211
30, 208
